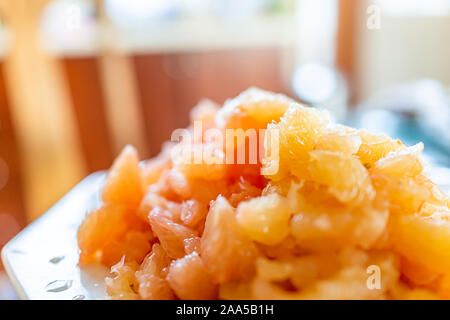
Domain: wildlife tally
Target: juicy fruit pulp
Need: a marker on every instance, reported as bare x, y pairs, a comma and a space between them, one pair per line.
342, 204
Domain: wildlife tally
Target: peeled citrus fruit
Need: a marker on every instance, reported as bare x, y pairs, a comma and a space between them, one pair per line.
124, 183
265, 198
225, 249
423, 239
265, 219
189, 278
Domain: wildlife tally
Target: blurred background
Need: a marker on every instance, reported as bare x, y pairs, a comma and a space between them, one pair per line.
79, 79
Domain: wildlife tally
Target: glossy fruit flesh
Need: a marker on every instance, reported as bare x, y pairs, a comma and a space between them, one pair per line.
326, 213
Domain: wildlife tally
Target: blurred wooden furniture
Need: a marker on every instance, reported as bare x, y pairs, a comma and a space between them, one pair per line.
120, 89
69, 115
89, 106
179, 81
349, 24
41, 111
11, 186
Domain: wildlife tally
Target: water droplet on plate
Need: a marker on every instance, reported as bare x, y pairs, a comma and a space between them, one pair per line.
58, 285
56, 260
79, 297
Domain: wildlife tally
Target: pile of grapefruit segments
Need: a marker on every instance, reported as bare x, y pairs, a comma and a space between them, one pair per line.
342, 214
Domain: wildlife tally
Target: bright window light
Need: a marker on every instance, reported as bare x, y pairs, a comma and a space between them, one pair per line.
138, 12
415, 8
